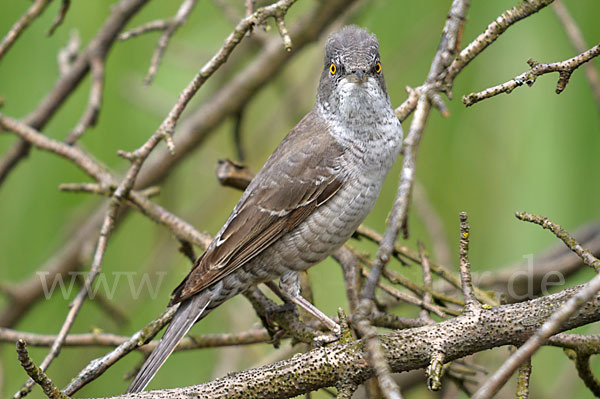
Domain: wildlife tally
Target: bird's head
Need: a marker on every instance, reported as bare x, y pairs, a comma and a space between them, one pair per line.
352, 73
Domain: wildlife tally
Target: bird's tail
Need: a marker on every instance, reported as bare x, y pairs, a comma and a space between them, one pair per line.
188, 313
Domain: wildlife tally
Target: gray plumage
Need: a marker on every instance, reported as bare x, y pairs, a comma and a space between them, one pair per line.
308, 198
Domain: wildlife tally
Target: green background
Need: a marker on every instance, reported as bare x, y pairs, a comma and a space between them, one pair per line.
531, 150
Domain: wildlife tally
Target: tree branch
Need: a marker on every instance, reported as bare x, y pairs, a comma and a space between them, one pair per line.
564, 68
15, 31
554, 323
404, 350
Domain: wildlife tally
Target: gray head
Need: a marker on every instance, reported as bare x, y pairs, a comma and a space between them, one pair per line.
352, 73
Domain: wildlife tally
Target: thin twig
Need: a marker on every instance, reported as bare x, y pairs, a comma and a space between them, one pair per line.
66, 84
98, 366
346, 258
60, 17
110, 309
554, 323
496, 28
576, 37
77, 303
171, 27
250, 5
15, 31
68, 54
404, 297
403, 253
427, 283
159, 24
37, 374
471, 302
92, 167
564, 68
90, 115
167, 127
102, 339
564, 236
523, 380
443, 57
582, 364
433, 223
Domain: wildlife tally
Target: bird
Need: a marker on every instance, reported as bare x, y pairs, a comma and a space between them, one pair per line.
308, 198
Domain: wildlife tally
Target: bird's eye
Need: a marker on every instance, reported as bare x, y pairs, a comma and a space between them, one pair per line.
378, 67
332, 68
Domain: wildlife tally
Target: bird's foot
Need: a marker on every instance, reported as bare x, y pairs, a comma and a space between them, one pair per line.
287, 307
325, 339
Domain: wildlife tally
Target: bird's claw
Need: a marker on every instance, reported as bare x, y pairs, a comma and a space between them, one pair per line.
322, 340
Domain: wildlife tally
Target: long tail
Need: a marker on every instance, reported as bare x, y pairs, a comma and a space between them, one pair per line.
188, 313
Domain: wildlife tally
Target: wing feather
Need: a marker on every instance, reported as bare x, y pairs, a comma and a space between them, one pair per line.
302, 174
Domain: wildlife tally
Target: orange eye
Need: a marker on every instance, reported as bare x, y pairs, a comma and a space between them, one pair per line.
378, 67
332, 68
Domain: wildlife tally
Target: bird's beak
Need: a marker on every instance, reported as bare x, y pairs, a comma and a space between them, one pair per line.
358, 77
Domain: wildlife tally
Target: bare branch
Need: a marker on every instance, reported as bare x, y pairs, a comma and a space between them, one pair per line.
403, 253
346, 258
15, 31
432, 221
75, 154
427, 283
172, 25
504, 21
564, 68
37, 374
582, 364
562, 234
576, 37
523, 380
233, 174
159, 24
68, 54
589, 344
98, 366
471, 302
121, 13
404, 350
528, 279
404, 297
551, 326
75, 307
167, 127
60, 17
90, 115
101, 339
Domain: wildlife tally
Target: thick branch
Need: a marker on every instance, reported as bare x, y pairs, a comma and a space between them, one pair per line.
404, 349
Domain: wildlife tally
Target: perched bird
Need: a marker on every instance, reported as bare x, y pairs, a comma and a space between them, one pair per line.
308, 198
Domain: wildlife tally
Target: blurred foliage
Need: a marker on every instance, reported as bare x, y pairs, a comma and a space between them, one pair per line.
531, 150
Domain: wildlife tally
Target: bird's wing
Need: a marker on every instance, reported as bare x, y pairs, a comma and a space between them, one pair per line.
302, 174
